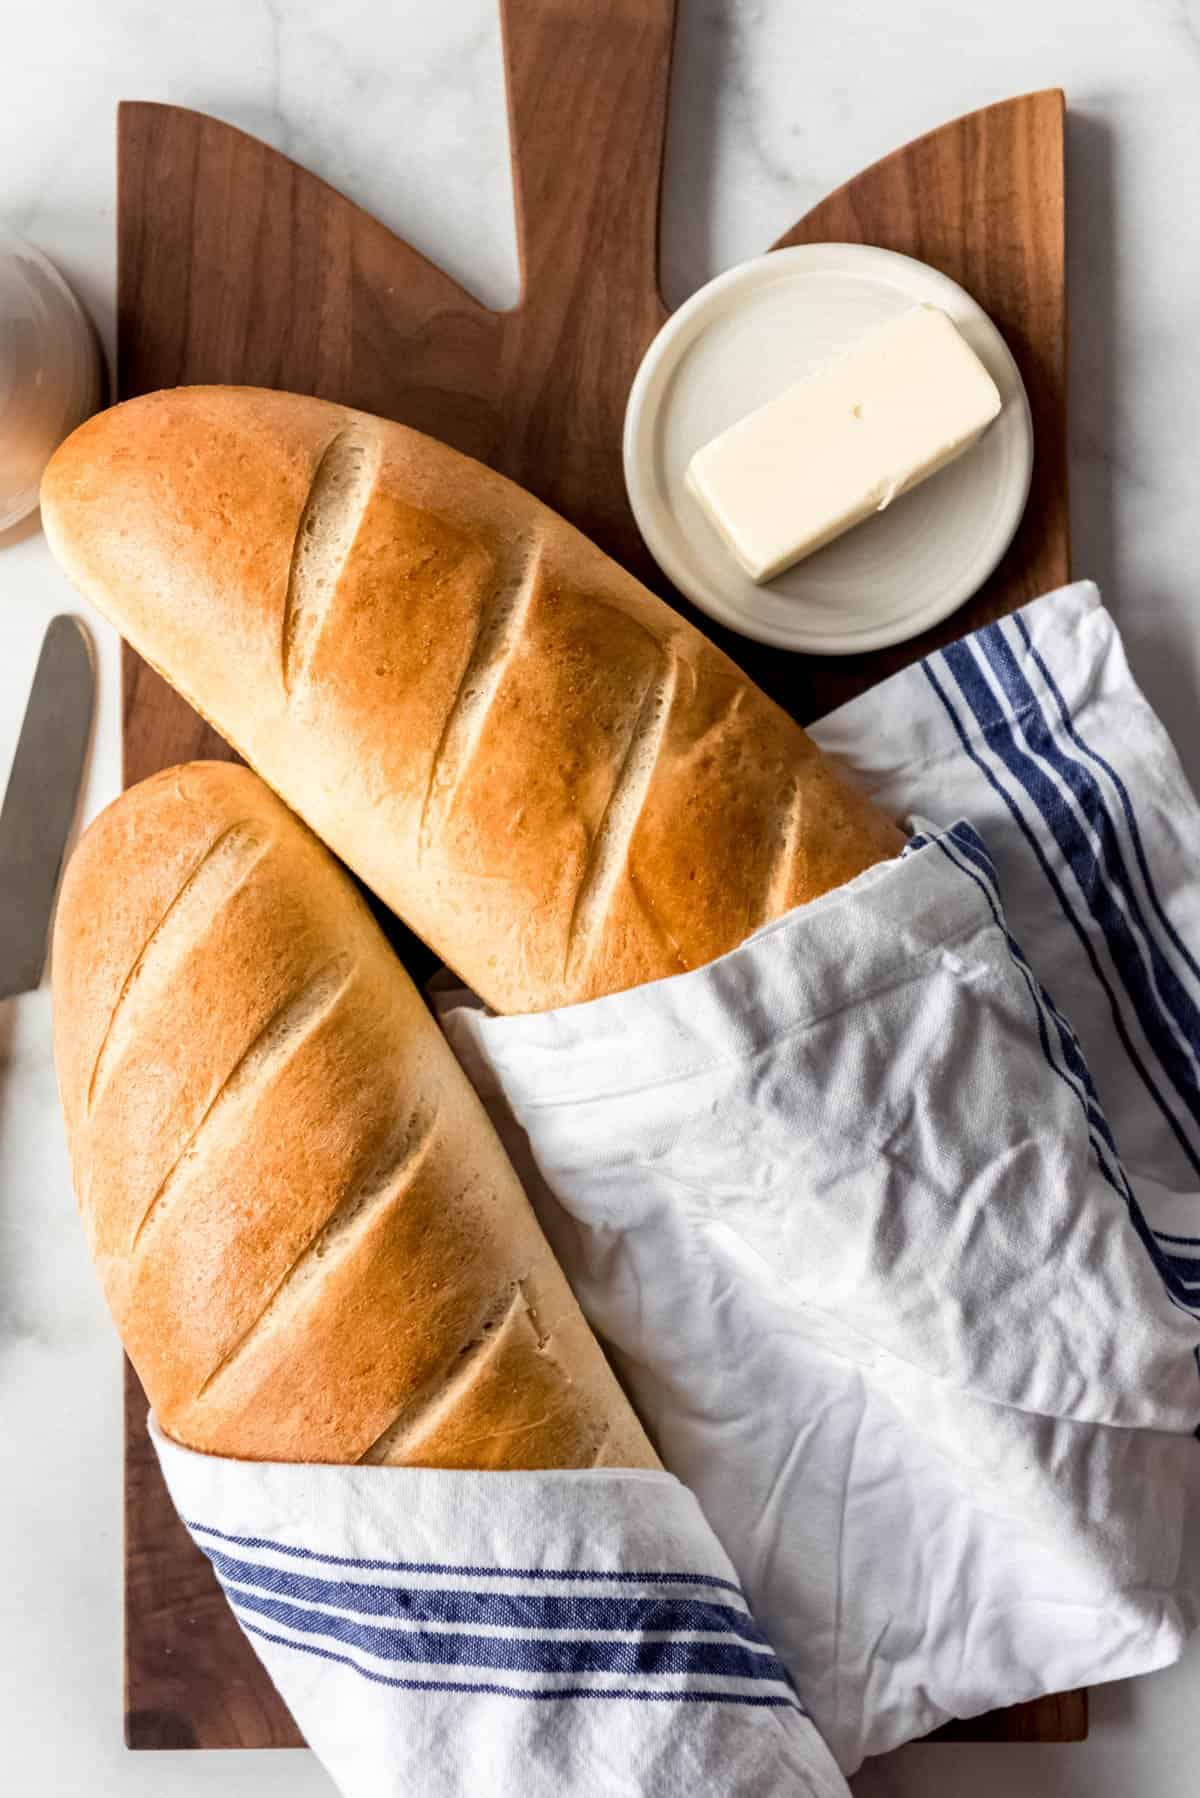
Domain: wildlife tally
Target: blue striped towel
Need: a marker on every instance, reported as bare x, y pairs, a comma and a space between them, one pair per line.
1036, 730
891, 1218
552, 1634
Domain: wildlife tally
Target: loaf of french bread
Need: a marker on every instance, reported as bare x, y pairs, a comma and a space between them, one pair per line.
543, 769
311, 1240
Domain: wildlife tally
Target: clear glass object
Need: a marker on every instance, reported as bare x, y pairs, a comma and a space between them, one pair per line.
49, 371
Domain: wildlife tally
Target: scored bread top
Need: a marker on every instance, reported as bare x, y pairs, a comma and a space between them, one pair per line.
311, 1240
543, 769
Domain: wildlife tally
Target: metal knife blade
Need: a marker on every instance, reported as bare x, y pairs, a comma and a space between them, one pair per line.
40, 800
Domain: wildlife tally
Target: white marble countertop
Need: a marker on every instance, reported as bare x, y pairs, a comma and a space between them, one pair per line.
775, 102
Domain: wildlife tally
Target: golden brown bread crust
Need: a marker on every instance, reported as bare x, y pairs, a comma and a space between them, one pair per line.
556, 781
311, 1240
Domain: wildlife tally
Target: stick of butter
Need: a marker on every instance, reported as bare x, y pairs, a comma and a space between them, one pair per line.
830, 450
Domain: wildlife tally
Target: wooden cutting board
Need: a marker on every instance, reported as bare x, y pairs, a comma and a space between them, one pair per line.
235, 265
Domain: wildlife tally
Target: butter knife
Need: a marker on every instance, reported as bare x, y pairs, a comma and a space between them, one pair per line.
40, 800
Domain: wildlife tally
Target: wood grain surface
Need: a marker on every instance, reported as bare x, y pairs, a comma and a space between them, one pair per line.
235, 265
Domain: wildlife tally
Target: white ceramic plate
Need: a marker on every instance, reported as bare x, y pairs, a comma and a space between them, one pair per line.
740, 341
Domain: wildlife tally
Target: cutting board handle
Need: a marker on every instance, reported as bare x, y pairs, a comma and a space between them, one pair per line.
587, 88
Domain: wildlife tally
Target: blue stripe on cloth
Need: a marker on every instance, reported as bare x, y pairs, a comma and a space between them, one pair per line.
1180, 1290
639, 1694
593, 1574
1093, 754
1163, 1004
972, 846
1067, 726
1074, 1063
519, 1654
1099, 893
511, 1610
1186, 1270
1056, 888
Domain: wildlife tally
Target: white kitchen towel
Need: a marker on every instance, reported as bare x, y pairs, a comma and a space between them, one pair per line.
477, 1635
849, 1212
1036, 730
